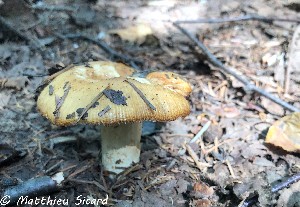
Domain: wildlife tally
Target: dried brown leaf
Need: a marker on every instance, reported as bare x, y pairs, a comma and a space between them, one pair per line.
285, 133
136, 33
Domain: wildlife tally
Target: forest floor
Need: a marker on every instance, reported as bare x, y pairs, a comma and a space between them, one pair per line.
234, 162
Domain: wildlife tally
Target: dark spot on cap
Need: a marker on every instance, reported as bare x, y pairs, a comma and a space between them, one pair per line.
115, 97
66, 83
79, 112
95, 104
118, 161
51, 90
71, 116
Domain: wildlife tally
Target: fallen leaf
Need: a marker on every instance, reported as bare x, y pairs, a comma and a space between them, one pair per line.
202, 203
182, 186
136, 33
272, 107
285, 133
203, 190
226, 111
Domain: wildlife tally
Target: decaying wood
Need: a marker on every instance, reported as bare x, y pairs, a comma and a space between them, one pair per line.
248, 86
141, 95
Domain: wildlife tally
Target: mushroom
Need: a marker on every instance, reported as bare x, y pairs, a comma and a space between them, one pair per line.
109, 94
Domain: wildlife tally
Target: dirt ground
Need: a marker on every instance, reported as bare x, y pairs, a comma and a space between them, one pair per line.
234, 162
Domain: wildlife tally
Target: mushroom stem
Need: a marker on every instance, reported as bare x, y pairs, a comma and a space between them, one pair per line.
120, 146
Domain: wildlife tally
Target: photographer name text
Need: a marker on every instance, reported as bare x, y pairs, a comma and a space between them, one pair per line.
48, 201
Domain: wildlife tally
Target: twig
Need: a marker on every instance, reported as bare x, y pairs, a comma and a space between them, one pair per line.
286, 183
249, 86
59, 140
91, 104
199, 134
12, 28
101, 44
125, 173
182, 151
33, 188
51, 77
158, 182
141, 95
78, 171
61, 100
89, 182
56, 165
195, 157
252, 199
230, 168
237, 19
9, 155
104, 111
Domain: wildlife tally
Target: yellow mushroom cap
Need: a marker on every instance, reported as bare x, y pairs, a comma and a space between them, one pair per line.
171, 81
109, 95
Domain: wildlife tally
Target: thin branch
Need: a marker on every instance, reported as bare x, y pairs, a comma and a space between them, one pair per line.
274, 189
101, 44
192, 153
104, 111
200, 133
286, 183
35, 43
61, 100
248, 86
141, 95
238, 19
